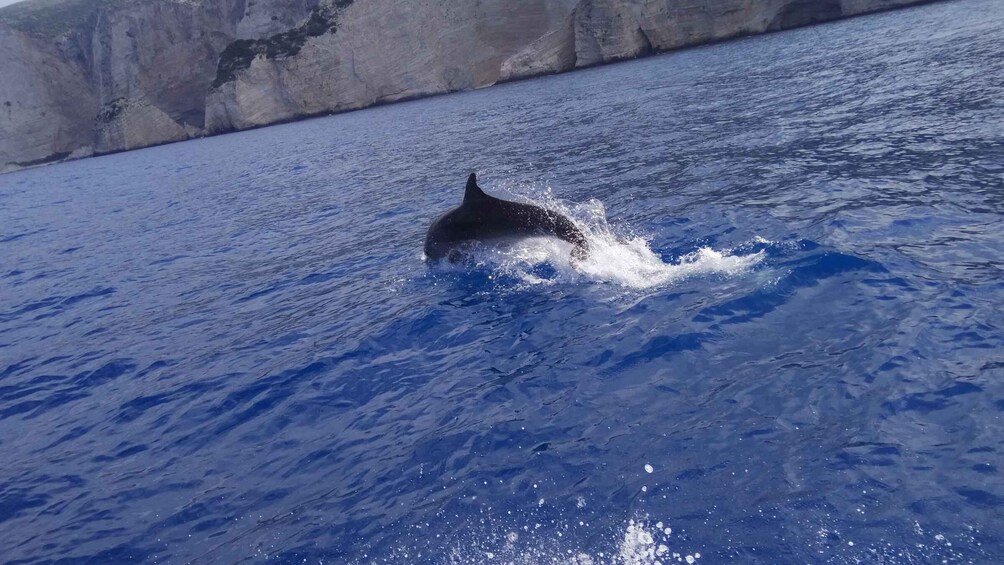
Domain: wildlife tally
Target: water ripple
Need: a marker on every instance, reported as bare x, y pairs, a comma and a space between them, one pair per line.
786, 347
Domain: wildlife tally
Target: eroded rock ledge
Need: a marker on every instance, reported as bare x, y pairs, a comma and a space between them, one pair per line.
86, 77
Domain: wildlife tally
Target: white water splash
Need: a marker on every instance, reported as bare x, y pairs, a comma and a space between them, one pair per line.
639, 544
627, 261
643, 546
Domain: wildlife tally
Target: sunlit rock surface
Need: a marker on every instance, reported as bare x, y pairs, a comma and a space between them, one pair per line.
97, 76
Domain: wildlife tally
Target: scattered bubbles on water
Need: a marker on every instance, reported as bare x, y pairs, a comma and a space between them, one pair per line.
639, 543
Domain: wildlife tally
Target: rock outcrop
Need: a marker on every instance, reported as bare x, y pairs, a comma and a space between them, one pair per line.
601, 31
377, 51
96, 76
46, 104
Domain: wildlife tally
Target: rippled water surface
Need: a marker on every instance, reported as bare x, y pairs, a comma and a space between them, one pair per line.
787, 346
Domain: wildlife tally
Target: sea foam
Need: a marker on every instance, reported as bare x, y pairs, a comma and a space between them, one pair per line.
616, 256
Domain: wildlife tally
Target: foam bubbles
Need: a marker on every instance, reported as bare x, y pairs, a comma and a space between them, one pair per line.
631, 262
618, 259
638, 545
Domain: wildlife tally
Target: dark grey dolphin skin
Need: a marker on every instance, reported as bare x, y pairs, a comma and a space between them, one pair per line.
481, 217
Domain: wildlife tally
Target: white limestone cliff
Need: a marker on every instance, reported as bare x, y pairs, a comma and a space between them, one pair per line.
601, 31
46, 107
382, 51
97, 76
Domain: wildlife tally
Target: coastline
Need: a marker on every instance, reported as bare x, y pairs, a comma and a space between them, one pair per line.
63, 157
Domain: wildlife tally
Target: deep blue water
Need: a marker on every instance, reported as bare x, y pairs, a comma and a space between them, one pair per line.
787, 347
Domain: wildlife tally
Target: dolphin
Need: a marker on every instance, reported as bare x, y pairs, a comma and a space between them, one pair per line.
481, 217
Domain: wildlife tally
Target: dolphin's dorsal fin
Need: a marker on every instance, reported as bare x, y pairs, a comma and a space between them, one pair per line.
473, 191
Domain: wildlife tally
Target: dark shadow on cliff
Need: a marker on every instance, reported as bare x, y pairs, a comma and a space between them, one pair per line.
806, 12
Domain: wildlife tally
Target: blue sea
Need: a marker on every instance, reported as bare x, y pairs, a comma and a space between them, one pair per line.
786, 346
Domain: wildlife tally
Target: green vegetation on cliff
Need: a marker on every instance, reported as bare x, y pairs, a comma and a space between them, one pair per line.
238, 55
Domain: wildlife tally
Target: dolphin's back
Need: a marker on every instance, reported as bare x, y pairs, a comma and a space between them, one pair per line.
482, 217
536, 220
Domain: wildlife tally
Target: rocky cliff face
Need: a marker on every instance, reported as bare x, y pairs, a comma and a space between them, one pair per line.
94, 76
45, 101
600, 31
97, 76
373, 51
